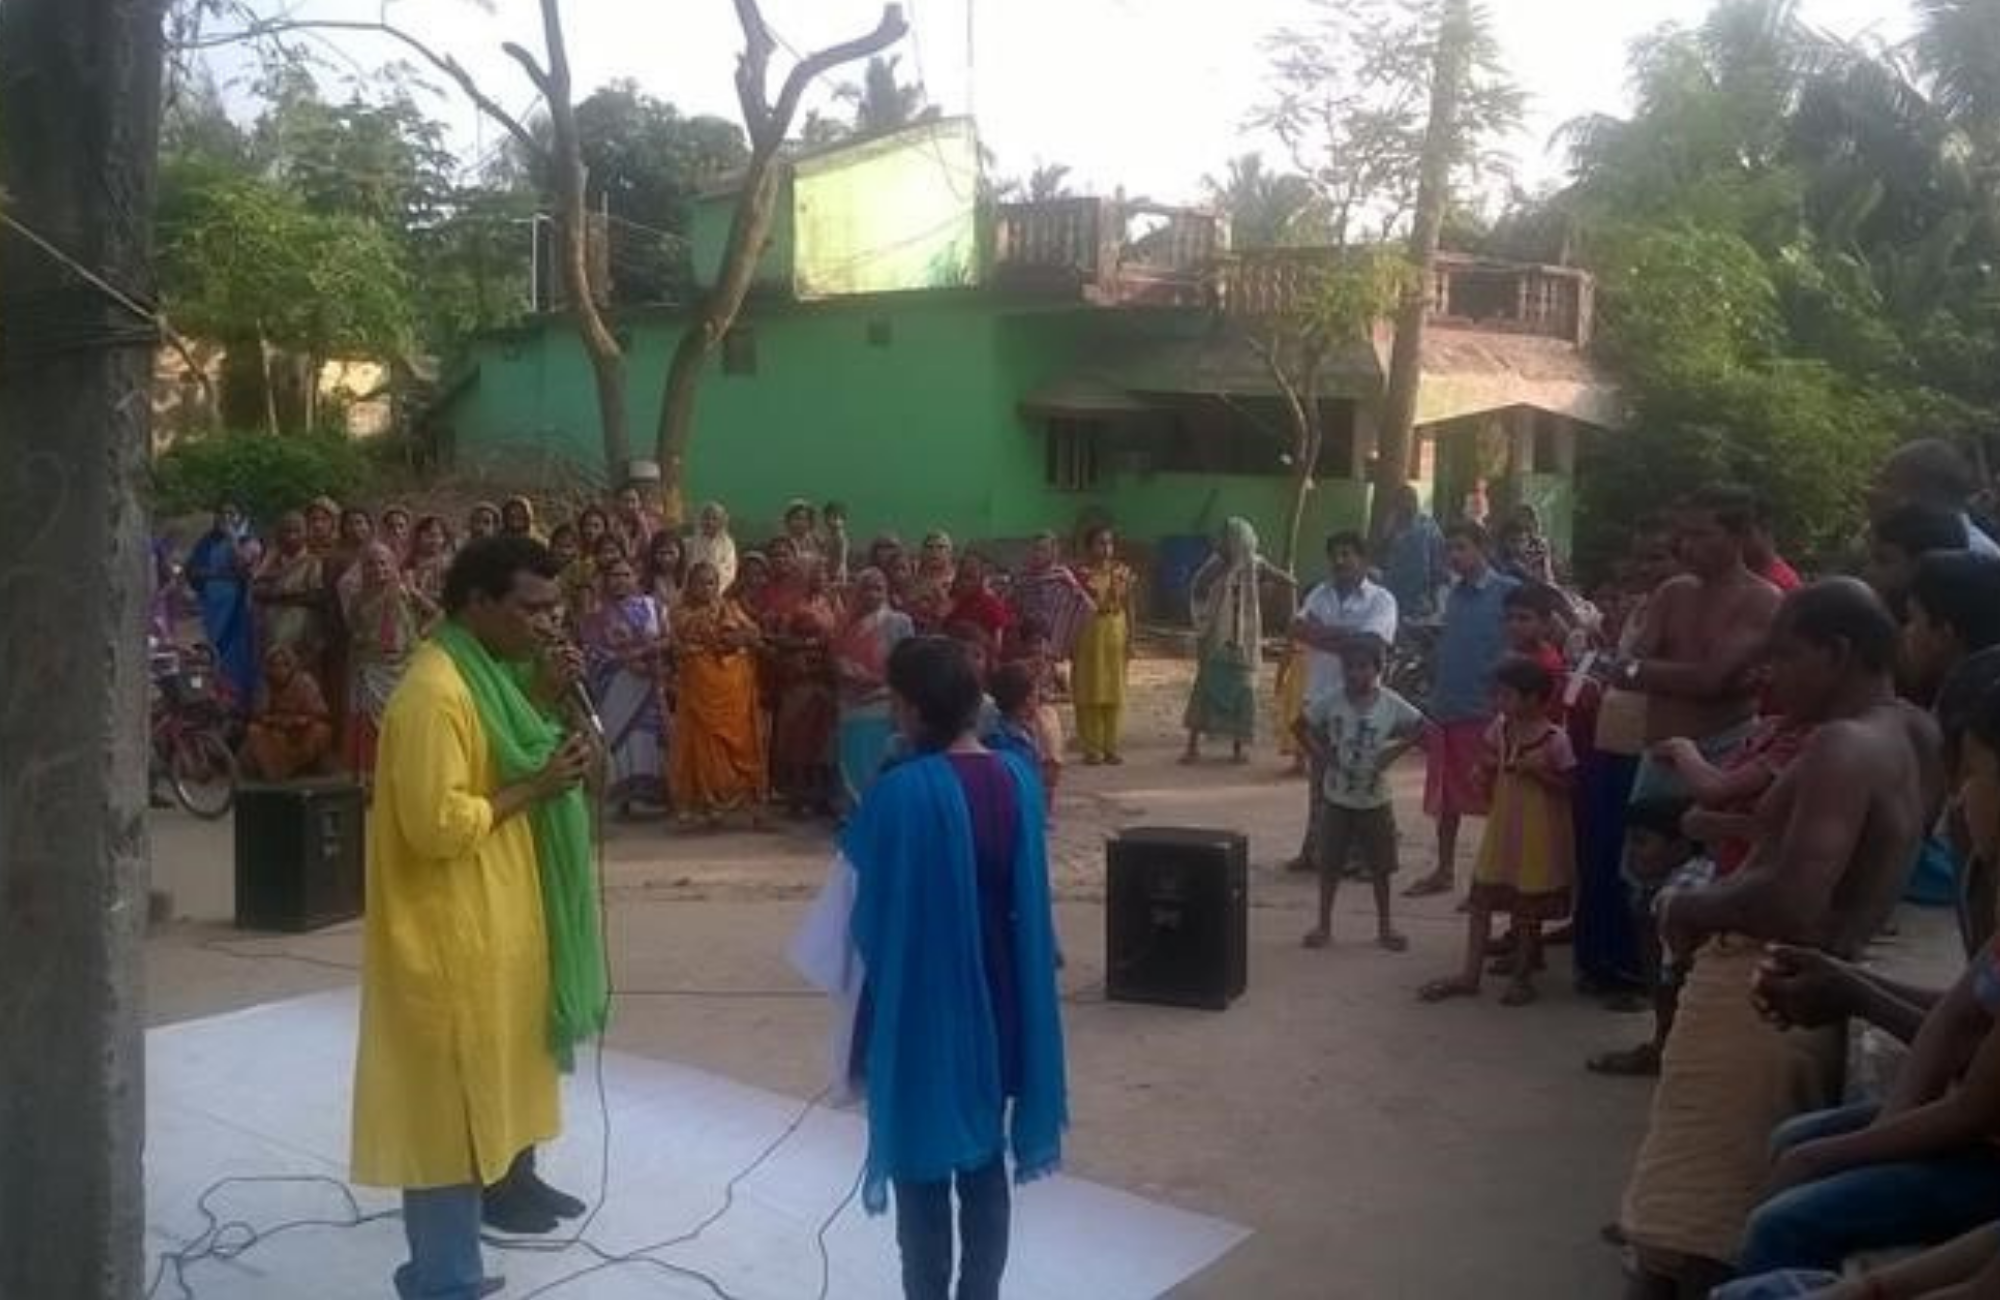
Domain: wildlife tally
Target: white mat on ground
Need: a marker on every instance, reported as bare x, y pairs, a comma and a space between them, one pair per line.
265, 1092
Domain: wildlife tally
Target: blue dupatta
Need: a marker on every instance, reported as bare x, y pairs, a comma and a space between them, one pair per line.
935, 1103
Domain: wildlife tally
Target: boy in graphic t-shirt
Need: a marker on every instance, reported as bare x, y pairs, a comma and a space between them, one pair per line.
1357, 733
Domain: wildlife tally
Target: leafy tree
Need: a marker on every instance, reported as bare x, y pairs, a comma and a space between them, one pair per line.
1390, 108
1351, 103
1332, 311
1796, 240
247, 260
647, 161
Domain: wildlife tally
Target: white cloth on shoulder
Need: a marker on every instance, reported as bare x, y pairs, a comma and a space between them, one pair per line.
822, 951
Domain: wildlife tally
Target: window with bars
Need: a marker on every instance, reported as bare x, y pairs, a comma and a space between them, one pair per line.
1072, 450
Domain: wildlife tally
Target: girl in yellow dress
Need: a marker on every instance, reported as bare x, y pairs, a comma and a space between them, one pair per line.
1103, 649
1527, 859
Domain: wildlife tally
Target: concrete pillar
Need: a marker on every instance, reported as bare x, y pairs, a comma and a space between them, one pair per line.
81, 103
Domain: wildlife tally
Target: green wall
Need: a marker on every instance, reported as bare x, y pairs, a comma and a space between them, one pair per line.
918, 431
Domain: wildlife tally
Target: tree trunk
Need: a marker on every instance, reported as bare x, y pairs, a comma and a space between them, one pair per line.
270, 381
1441, 144
314, 366
1308, 436
607, 358
79, 108
749, 230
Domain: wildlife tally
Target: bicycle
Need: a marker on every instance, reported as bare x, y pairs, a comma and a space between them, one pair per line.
187, 727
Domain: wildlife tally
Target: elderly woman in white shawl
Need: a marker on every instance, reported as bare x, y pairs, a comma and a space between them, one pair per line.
1229, 622
712, 544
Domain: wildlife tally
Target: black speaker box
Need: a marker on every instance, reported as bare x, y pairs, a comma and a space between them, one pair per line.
299, 853
1177, 917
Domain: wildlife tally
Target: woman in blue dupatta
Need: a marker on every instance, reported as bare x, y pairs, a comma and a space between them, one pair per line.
219, 568
958, 1038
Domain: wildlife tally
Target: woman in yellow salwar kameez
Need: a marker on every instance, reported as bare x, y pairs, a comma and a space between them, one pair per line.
1103, 649
718, 760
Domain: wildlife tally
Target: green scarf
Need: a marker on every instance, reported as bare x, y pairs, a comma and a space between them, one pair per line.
523, 739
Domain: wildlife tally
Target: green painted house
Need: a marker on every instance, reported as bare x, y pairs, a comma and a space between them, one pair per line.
933, 360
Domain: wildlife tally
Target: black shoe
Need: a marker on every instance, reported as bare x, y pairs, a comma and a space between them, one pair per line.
523, 1182
542, 1196
515, 1213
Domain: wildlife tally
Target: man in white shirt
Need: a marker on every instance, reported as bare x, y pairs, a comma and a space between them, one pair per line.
1345, 606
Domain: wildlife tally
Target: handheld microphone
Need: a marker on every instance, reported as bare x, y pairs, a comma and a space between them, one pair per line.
579, 695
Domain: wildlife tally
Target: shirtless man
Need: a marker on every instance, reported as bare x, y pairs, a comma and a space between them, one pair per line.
1702, 633
1832, 842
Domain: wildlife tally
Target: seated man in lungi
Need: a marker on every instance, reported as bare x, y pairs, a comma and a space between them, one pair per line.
1833, 840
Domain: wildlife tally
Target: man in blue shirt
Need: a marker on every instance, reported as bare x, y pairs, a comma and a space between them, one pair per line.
1471, 646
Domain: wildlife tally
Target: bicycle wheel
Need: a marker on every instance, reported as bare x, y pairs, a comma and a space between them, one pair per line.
202, 772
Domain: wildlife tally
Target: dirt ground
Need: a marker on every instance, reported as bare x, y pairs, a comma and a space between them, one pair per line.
1374, 1146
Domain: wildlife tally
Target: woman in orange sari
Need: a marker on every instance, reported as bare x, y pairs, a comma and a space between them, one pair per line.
718, 753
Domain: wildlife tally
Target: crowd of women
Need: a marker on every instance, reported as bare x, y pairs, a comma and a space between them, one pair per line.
726, 675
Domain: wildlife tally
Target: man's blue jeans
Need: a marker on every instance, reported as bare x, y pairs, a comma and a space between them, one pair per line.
442, 1225
1817, 1225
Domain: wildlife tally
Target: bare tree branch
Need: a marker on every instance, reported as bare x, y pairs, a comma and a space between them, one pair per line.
277, 28
814, 65
750, 225
753, 67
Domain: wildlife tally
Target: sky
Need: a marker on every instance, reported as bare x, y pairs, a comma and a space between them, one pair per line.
1150, 95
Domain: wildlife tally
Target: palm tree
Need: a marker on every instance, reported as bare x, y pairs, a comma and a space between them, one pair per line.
1265, 208
1048, 181
1958, 47
882, 102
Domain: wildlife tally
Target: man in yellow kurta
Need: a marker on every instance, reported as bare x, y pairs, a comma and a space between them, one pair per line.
455, 1076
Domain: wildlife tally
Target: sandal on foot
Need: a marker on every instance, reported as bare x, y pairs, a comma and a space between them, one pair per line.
1519, 994
1317, 939
1446, 989
1391, 941
1641, 1062
1428, 887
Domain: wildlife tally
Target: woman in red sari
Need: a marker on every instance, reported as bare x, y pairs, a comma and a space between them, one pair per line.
973, 601
799, 624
